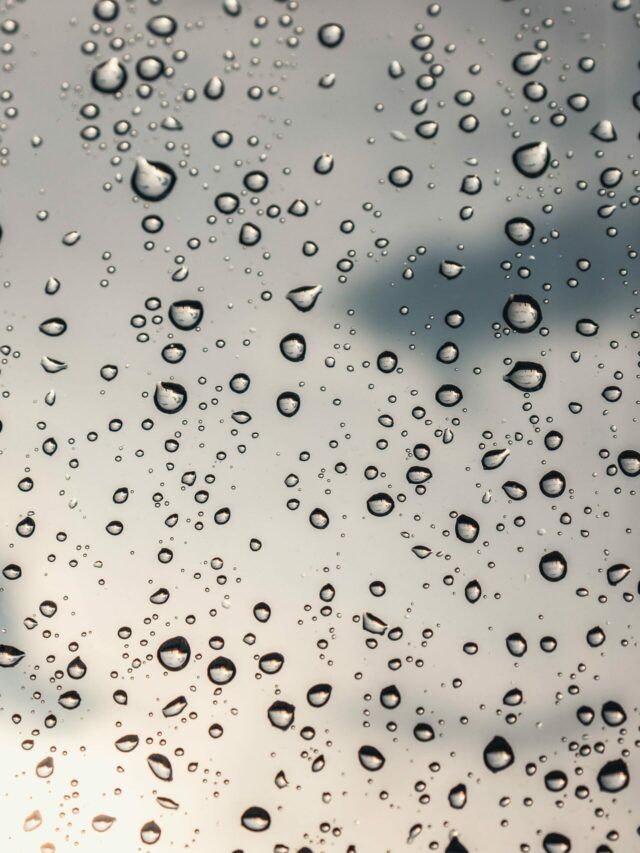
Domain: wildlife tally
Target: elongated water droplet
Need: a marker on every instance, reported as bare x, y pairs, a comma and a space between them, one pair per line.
160, 766
526, 376
10, 656
305, 297
102, 822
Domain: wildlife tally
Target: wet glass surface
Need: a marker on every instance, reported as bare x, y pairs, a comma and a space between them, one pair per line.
319, 408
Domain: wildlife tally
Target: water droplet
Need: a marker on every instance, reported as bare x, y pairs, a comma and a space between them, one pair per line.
186, 314
256, 819
214, 88
305, 297
467, 528
400, 176
160, 766
532, 159
324, 164
371, 758
109, 76
522, 313
319, 695
150, 832
53, 327
629, 462
613, 776
526, 376
250, 234
293, 347
221, 670
519, 230
380, 504
174, 654
448, 395
498, 755
553, 566
288, 403
102, 822
152, 180
10, 656
527, 62
170, 397
494, 458
604, 131
281, 714
331, 35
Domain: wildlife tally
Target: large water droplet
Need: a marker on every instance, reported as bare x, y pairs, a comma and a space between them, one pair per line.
467, 528
170, 397
109, 76
221, 670
256, 819
331, 35
526, 376
288, 403
522, 313
305, 297
380, 504
160, 766
281, 714
174, 654
498, 755
613, 776
10, 656
102, 822
519, 230
151, 180
371, 758
293, 347
532, 160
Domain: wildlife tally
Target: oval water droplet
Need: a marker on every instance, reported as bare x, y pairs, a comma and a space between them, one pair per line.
526, 376
256, 819
371, 758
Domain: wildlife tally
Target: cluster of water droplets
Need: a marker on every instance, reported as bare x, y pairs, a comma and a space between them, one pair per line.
319, 427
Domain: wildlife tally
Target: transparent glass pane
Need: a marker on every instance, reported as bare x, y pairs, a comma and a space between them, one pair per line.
319, 408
